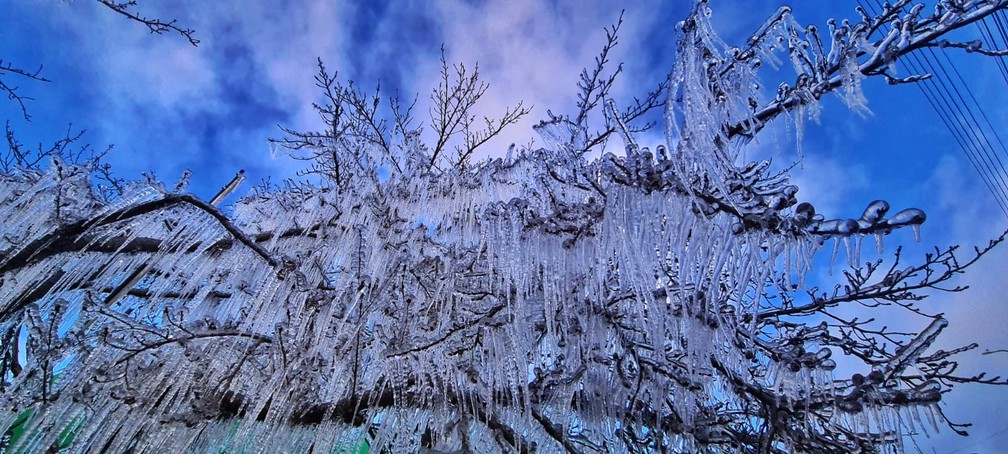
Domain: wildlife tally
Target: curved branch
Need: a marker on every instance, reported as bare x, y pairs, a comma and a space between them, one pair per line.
156, 26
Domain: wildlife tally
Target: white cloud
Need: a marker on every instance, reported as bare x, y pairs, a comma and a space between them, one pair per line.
828, 182
533, 52
964, 206
180, 78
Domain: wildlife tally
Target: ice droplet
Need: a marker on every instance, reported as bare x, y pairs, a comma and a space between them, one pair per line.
875, 210
909, 216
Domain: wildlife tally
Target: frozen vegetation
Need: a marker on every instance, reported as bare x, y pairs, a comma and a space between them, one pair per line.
417, 299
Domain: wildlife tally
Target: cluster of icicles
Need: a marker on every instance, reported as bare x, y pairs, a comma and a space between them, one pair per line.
497, 309
149, 325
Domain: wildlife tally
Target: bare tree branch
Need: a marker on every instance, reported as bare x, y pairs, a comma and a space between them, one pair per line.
11, 90
156, 26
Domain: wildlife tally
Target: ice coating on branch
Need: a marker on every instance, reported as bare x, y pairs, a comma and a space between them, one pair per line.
875, 211
912, 217
909, 216
542, 300
911, 351
803, 214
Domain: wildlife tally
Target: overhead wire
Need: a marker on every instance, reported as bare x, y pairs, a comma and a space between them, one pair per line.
991, 42
946, 96
983, 114
967, 122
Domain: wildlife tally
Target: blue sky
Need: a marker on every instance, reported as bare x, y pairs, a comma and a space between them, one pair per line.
168, 106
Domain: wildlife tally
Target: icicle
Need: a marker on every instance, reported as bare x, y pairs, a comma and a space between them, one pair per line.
836, 248
929, 412
851, 258
857, 250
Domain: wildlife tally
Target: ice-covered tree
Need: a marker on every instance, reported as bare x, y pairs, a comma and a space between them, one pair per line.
415, 298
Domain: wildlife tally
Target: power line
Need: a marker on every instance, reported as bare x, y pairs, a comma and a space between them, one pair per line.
958, 108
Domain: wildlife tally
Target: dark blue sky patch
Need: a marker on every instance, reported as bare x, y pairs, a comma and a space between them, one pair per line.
247, 97
387, 43
363, 30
